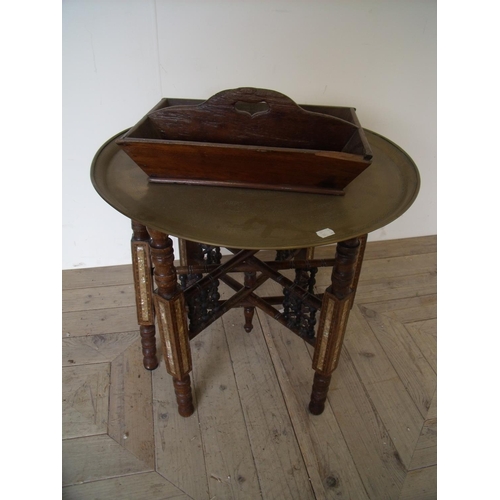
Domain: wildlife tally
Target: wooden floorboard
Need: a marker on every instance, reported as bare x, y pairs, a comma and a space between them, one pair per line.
229, 461
280, 466
148, 485
329, 463
178, 441
251, 435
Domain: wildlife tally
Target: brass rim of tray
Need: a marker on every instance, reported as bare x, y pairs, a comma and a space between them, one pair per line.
260, 219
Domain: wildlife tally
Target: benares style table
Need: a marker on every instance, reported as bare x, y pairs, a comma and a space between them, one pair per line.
183, 300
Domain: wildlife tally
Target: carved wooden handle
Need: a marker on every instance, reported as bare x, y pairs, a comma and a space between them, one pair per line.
280, 123
228, 98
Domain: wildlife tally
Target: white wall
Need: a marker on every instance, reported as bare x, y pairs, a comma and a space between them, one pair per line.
121, 56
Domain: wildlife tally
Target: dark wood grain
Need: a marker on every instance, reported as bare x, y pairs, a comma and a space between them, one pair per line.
283, 124
249, 280
319, 393
344, 268
148, 343
232, 140
163, 259
184, 396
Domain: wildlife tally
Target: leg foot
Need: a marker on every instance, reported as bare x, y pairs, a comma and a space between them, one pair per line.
248, 312
148, 342
184, 396
250, 278
319, 393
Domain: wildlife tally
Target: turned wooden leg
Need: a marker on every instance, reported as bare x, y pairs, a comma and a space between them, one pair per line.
319, 393
335, 309
250, 278
172, 323
143, 283
184, 396
359, 262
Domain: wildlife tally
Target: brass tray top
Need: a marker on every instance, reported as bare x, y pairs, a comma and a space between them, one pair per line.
260, 219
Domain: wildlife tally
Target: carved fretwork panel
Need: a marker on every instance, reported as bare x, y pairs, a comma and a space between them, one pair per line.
203, 304
282, 255
301, 316
187, 280
199, 254
211, 255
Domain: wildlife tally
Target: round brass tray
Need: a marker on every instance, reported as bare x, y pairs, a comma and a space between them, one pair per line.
260, 219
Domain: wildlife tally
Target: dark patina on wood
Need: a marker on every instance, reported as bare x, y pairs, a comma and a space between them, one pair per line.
251, 138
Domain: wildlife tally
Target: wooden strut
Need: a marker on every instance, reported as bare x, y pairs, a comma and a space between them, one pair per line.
266, 307
304, 295
217, 272
305, 265
244, 293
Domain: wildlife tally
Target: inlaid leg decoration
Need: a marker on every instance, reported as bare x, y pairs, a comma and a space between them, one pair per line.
250, 279
143, 282
359, 262
333, 321
172, 322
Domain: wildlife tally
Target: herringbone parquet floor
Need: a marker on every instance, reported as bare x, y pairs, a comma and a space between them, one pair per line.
251, 435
